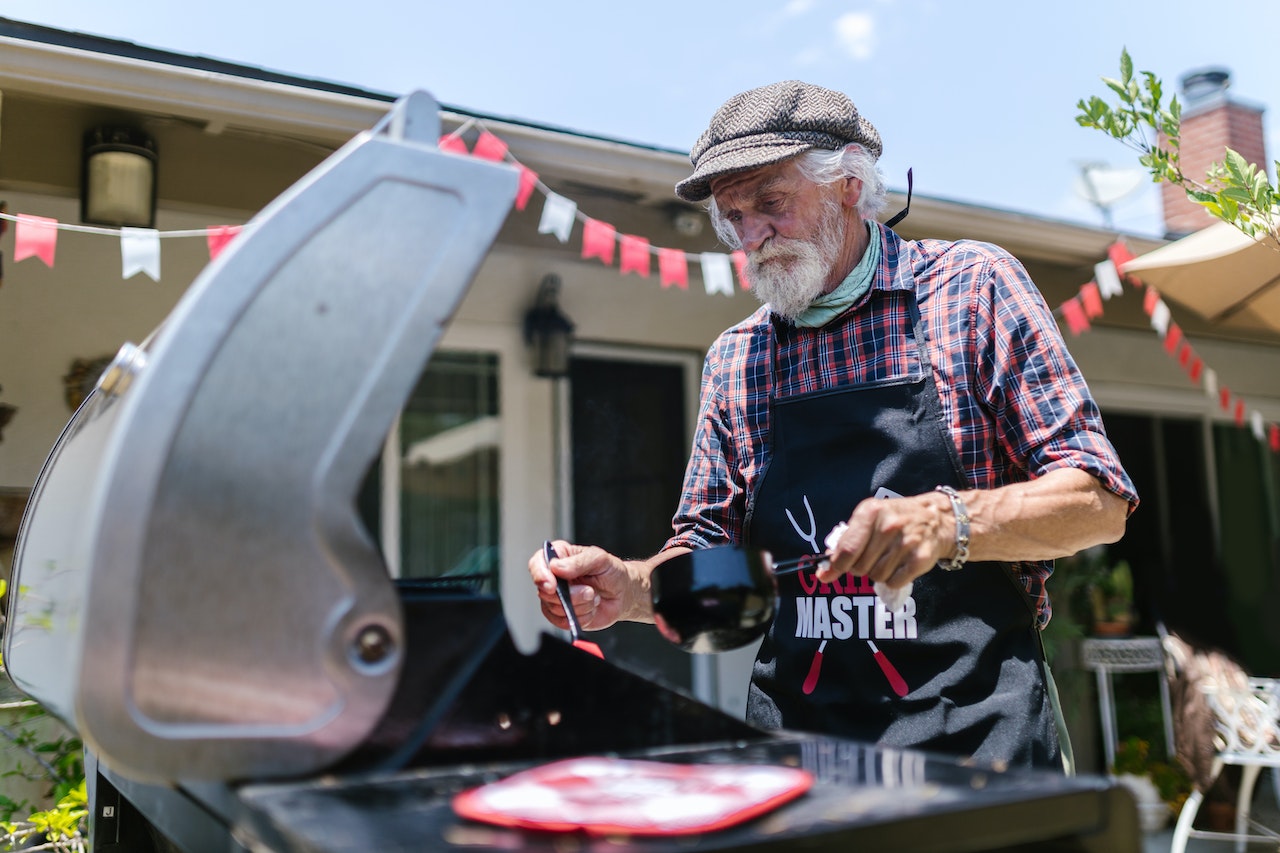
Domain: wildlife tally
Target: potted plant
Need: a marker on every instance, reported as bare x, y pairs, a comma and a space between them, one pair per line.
1159, 787
1111, 599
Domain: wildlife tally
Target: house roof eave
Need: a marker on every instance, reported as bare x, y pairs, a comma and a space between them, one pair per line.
215, 97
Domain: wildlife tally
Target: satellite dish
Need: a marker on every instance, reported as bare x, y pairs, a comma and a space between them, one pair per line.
1103, 186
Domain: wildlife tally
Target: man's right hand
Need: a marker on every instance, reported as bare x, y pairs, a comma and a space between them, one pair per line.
604, 589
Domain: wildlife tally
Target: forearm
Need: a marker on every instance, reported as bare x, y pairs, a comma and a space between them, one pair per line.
639, 604
1055, 515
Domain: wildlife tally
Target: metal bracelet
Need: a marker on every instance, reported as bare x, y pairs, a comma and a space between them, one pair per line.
962, 530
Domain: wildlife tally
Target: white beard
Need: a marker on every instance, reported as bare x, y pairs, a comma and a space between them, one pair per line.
788, 274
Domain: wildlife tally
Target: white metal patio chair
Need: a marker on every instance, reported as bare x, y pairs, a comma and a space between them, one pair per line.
1246, 721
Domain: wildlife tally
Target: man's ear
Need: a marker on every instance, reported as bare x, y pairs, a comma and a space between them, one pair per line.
852, 192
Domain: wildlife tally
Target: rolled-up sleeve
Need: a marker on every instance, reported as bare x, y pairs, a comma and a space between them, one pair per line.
1045, 416
712, 502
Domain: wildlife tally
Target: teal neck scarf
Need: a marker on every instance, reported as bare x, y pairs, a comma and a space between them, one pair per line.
828, 306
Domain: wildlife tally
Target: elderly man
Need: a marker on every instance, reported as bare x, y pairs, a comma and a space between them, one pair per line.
916, 400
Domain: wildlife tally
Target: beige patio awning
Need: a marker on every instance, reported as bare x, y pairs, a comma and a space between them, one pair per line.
1220, 274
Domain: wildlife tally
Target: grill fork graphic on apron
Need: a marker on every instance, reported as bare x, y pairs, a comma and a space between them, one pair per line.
811, 681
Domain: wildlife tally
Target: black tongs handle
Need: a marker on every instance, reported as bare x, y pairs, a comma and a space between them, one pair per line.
810, 562
562, 592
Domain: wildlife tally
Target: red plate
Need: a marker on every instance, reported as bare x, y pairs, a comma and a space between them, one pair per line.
610, 796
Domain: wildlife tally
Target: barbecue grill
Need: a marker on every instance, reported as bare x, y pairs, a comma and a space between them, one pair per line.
195, 595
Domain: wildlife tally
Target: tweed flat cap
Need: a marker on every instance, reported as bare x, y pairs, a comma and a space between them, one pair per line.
769, 124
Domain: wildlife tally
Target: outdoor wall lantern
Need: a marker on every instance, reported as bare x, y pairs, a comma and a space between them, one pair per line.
549, 331
118, 178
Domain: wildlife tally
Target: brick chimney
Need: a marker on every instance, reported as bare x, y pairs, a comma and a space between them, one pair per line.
1212, 122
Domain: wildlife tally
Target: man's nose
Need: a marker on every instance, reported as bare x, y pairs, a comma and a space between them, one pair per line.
753, 231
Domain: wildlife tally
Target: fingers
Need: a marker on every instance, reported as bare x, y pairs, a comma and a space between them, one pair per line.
587, 570
541, 573
891, 541
572, 562
585, 601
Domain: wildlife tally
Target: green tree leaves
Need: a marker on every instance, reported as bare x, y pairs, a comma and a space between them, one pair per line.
1233, 190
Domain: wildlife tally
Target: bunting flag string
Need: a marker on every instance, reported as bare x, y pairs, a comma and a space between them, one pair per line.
36, 236
1087, 305
601, 240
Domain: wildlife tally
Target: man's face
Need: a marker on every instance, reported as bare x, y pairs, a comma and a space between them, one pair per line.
791, 229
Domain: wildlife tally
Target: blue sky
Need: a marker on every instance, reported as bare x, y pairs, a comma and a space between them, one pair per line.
976, 96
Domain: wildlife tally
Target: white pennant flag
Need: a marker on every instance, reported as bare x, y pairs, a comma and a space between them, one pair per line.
1210, 382
1255, 419
557, 216
1160, 318
717, 275
1108, 279
140, 252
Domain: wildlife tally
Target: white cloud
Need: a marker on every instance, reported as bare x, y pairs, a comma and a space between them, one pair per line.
795, 8
856, 34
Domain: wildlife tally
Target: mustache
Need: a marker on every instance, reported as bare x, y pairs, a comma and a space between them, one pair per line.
777, 247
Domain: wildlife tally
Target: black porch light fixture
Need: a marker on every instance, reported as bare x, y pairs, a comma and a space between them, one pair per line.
548, 330
118, 178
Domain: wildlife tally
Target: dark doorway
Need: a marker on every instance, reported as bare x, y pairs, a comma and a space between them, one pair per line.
630, 446
1180, 575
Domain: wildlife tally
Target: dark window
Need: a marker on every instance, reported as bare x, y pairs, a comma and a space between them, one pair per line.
448, 502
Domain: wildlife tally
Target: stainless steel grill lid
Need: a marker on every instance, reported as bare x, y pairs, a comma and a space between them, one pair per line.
194, 592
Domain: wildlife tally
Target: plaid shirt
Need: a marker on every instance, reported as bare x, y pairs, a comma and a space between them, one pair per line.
1012, 396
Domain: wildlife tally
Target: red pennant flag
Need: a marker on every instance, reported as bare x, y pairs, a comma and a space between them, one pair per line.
1184, 355
218, 237
1196, 368
489, 147
740, 265
1149, 301
454, 144
635, 255
598, 239
1119, 254
1274, 435
1239, 412
1172, 338
528, 181
35, 236
1091, 298
673, 268
1073, 312
1224, 398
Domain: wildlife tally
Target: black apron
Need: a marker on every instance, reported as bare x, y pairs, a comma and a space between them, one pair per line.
958, 668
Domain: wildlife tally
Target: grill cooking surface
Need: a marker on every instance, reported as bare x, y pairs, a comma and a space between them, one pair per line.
861, 795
